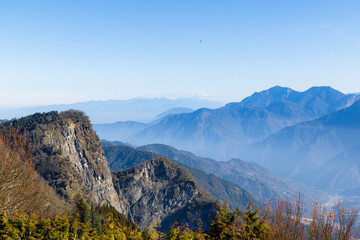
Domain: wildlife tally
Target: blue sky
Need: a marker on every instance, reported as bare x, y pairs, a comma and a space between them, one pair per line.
64, 51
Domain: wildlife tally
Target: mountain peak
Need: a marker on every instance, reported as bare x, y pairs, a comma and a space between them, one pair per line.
278, 89
325, 91
314, 95
265, 97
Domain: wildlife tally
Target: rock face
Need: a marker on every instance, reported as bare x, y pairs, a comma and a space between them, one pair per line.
78, 142
68, 155
160, 191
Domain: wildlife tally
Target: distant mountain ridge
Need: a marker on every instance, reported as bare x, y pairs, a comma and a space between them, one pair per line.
109, 111
220, 133
317, 100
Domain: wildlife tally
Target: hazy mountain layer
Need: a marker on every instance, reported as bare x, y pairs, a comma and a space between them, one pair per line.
124, 130
222, 133
341, 173
301, 150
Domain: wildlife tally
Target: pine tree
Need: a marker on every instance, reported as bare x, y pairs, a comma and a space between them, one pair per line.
254, 226
225, 224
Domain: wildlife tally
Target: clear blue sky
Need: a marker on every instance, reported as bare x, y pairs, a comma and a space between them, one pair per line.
62, 51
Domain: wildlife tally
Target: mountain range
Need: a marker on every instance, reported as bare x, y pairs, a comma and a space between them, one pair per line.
222, 133
305, 136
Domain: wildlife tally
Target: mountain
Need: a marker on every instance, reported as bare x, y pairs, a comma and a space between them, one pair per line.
317, 101
124, 157
256, 180
160, 191
68, 155
301, 150
137, 109
221, 133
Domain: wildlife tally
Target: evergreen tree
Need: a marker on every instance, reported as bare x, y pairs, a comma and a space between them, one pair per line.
254, 226
225, 224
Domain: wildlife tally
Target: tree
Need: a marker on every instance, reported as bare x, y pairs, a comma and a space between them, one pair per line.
226, 225
254, 226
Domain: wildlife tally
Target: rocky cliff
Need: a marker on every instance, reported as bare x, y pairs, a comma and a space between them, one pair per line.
68, 155
160, 191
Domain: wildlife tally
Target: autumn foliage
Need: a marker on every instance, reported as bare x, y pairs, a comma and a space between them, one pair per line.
20, 186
